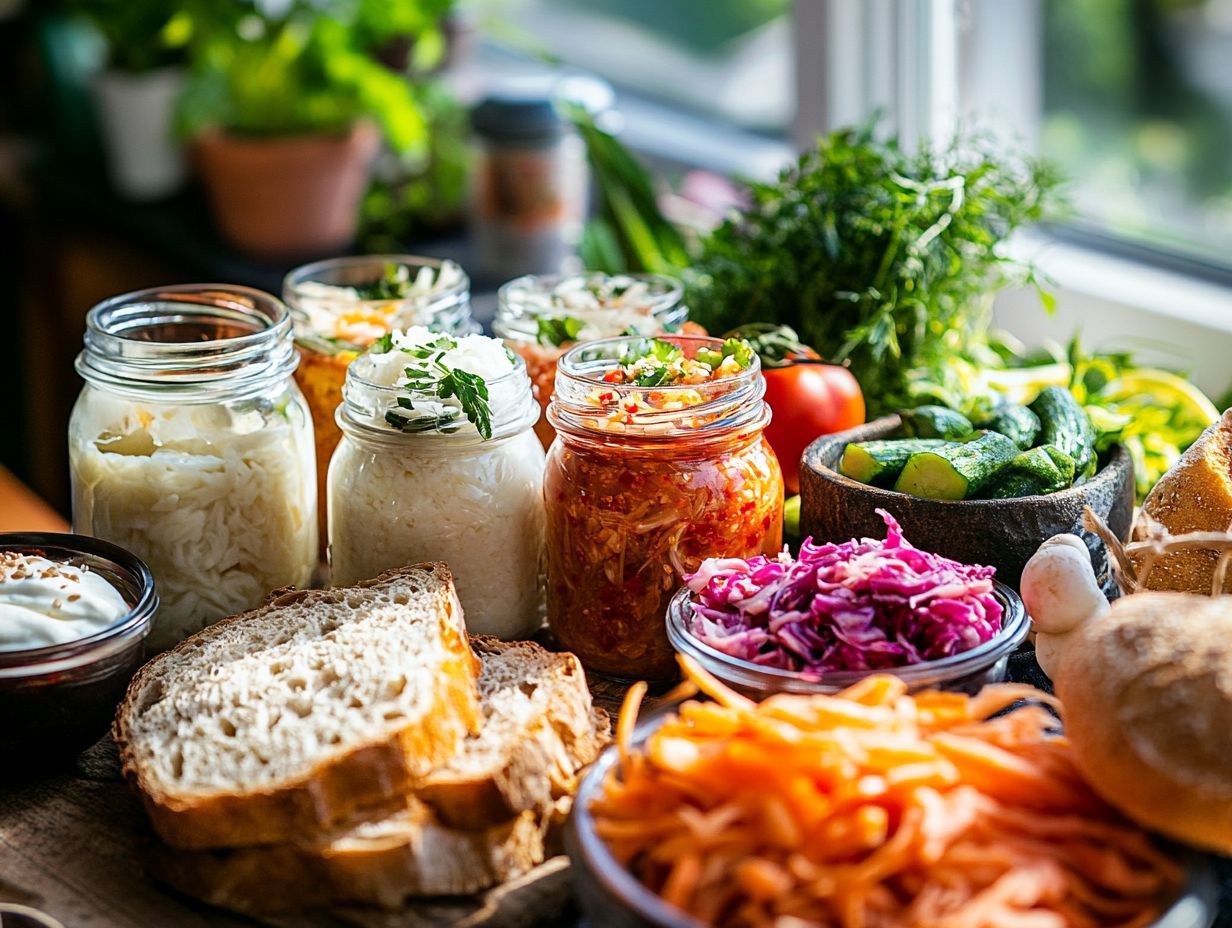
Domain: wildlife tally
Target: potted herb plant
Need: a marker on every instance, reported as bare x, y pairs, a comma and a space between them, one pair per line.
287, 112
137, 92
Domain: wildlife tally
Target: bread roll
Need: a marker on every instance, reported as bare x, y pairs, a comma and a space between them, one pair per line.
1194, 496
1147, 696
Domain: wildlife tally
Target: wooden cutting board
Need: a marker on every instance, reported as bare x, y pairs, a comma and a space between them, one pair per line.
72, 845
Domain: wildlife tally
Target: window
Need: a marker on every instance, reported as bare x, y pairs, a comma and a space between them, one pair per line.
1137, 109
1131, 98
699, 83
724, 60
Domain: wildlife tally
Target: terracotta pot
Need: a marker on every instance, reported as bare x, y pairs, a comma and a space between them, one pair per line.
288, 197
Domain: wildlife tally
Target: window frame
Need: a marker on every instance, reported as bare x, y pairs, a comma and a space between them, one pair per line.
929, 66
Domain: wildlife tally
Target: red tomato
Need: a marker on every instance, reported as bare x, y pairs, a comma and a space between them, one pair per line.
808, 399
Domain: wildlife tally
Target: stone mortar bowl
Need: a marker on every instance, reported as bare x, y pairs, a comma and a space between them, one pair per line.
1002, 533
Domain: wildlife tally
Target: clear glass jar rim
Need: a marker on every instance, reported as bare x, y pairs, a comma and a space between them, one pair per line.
667, 297
737, 401
354, 418
260, 354
306, 273
1014, 628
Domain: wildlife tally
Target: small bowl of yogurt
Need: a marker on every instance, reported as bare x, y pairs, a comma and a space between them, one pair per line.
74, 615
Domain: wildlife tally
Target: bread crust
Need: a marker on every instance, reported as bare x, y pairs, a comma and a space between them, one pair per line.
1195, 495
539, 767
367, 782
1148, 702
413, 856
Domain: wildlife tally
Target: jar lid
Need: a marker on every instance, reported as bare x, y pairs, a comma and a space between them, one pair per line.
515, 117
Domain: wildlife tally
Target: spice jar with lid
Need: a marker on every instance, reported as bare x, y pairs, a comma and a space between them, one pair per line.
438, 462
191, 446
543, 316
340, 306
660, 462
528, 197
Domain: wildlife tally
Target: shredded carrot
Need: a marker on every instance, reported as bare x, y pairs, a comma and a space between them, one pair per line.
873, 808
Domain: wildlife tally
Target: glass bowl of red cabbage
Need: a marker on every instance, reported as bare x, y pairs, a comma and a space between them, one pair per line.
836, 613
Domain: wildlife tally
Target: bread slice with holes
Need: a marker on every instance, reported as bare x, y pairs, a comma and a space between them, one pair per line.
508, 785
539, 728
316, 708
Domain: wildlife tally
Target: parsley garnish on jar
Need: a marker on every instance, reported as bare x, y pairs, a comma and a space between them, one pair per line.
439, 390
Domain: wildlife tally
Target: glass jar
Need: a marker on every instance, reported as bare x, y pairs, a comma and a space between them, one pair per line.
529, 185
634, 504
399, 497
333, 325
599, 305
191, 446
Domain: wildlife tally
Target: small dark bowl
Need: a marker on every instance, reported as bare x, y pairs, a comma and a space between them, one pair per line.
612, 897
59, 699
968, 672
1001, 533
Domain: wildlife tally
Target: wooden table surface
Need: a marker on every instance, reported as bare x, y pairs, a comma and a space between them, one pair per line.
22, 511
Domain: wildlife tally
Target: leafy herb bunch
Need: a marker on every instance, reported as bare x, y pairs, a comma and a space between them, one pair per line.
141, 35
881, 259
427, 376
305, 67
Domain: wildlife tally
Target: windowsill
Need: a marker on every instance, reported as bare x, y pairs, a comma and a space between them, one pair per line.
1079, 269
1165, 317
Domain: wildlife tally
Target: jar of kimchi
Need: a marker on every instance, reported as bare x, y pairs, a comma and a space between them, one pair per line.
541, 316
661, 462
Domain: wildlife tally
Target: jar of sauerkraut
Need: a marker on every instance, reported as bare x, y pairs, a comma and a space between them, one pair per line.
340, 306
543, 316
660, 463
191, 446
438, 462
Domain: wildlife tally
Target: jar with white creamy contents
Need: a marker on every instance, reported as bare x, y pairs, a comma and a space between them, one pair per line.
340, 306
191, 446
543, 316
438, 462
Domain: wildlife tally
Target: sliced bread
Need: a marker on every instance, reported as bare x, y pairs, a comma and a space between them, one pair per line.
536, 708
539, 728
300, 715
380, 863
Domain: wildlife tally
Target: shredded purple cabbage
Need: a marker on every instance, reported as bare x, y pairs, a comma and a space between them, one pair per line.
860, 605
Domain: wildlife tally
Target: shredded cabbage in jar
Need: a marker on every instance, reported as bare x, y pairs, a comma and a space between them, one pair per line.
860, 605
218, 501
359, 316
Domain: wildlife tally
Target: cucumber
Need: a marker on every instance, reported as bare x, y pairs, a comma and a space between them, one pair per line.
1063, 461
1036, 472
1017, 423
879, 462
1065, 424
959, 471
935, 422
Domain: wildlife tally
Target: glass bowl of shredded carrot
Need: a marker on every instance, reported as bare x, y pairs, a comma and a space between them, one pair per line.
867, 808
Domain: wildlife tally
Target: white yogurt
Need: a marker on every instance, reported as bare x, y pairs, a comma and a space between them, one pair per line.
44, 603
